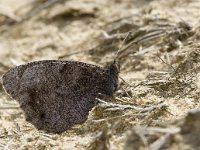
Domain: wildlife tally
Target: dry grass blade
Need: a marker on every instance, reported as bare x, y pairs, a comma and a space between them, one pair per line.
156, 34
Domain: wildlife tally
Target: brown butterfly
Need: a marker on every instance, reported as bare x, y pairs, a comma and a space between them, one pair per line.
55, 95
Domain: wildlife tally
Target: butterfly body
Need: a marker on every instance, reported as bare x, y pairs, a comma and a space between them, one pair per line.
55, 95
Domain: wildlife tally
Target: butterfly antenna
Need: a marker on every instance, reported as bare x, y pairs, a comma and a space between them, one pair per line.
123, 42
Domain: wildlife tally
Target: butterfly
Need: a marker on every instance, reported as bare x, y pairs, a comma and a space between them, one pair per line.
55, 95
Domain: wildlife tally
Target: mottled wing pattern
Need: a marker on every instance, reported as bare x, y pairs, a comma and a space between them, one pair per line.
55, 95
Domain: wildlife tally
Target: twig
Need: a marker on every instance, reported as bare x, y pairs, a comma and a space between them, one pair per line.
163, 130
158, 144
165, 62
40, 8
120, 106
9, 107
111, 118
141, 131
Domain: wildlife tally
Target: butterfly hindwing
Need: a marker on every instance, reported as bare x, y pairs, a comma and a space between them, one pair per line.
55, 95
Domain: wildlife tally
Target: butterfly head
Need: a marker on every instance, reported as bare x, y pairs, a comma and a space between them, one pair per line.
112, 80
114, 67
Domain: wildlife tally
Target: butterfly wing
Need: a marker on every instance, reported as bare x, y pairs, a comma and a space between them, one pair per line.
55, 95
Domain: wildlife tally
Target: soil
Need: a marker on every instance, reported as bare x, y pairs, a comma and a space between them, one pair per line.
157, 44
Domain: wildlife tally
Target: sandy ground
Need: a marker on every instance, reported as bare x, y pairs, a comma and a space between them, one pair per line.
158, 43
